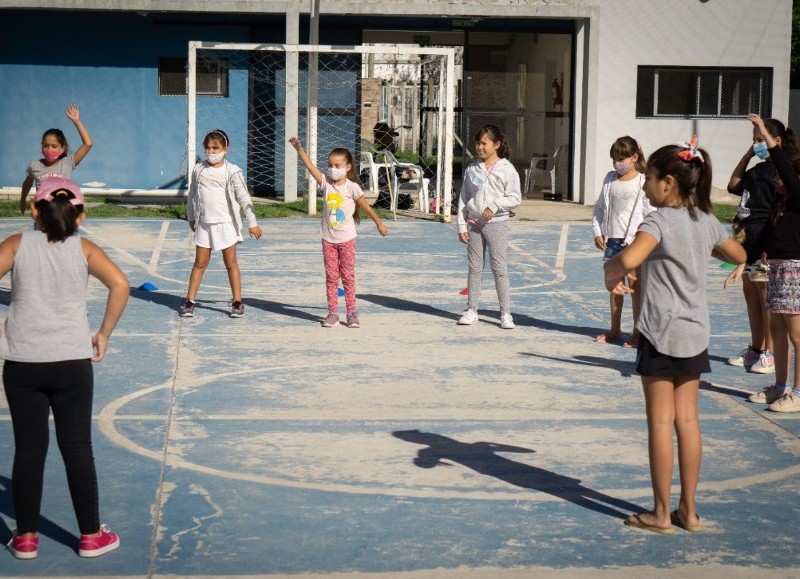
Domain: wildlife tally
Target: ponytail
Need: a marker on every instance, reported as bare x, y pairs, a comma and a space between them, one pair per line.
58, 217
691, 173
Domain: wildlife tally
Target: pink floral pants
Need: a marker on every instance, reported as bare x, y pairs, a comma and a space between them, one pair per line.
340, 261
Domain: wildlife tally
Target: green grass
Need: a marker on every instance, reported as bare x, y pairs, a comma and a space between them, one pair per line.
100, 207
725, 212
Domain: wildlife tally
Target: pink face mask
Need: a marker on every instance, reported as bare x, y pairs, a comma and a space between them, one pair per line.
50, 155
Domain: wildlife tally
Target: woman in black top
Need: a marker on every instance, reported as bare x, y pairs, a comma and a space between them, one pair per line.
757, 188
783, 253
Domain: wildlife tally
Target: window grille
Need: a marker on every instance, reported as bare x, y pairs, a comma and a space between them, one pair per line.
212, 77
703, 92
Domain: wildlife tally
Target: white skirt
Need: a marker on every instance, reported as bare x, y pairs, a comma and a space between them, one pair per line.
217, 236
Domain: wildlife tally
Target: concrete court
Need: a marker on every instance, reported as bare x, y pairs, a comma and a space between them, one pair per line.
269, 446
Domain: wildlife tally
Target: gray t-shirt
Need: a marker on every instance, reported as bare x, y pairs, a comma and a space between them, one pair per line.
47, 319
674, 316
38, 170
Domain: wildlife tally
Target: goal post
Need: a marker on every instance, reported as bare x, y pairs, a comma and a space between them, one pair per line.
335, 96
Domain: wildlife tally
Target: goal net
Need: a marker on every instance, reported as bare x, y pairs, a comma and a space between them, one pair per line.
391, 106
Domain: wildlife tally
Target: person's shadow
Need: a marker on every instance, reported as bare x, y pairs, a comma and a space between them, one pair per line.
289, 310
403, 305
174, 301
170, 301
482, 457
626, 368
46, 527
728, 390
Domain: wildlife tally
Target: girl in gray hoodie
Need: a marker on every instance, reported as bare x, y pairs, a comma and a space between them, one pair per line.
489, 193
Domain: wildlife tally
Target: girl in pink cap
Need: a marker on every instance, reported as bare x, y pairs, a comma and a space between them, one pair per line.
48, 350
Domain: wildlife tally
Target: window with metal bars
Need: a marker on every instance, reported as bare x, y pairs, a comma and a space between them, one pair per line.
212, 76
703, 92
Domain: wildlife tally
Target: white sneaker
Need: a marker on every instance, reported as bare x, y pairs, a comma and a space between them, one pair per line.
507, 322
468, 318
768, 395
789, 402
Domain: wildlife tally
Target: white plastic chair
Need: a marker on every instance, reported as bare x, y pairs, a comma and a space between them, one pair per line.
535, 168
367, 163
392, 165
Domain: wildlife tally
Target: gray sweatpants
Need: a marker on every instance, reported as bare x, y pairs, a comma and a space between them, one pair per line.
494, 237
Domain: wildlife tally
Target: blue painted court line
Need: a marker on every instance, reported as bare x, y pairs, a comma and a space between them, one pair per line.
268, 445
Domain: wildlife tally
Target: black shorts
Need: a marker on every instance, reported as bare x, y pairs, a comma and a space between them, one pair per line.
651, 362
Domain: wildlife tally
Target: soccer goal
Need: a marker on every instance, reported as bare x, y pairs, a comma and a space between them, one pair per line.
391, 106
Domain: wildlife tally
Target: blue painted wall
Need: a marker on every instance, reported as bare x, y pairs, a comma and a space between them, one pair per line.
108, 65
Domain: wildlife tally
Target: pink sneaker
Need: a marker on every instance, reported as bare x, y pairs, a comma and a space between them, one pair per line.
96, 545
765, 364
746, 358
24, 547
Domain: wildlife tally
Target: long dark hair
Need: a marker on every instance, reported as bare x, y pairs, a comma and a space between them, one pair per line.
351, 174
788, 139
693, 177
62, 140
58, 217
496, 135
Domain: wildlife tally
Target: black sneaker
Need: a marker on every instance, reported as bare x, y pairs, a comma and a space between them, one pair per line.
237, 309
187, 308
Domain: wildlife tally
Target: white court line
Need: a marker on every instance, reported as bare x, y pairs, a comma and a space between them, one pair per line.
129, 257
152, 267
109, 416
558, 269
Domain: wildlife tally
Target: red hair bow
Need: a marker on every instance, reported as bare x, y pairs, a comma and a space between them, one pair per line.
690, 152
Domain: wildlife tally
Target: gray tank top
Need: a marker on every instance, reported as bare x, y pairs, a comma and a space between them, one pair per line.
47, 319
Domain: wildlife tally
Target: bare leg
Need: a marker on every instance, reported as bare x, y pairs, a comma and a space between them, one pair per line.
202, 256
765, 316
234, 275
754, 300
780, 340
660, 403
616, 320
793, 324
690, 446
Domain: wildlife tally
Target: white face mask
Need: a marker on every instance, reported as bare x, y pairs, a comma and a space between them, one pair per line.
622, 167
337, 173
214, 158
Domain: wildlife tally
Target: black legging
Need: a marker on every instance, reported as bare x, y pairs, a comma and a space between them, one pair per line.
32, 389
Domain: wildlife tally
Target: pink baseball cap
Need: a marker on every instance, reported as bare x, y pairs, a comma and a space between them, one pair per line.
51, 186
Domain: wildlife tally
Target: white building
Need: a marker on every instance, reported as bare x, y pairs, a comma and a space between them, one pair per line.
571, 75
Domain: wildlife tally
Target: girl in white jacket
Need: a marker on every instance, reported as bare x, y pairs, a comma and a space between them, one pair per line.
217, 195
489, 193
618, 212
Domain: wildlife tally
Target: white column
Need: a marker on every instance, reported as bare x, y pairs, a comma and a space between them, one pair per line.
313, 73
292, 114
